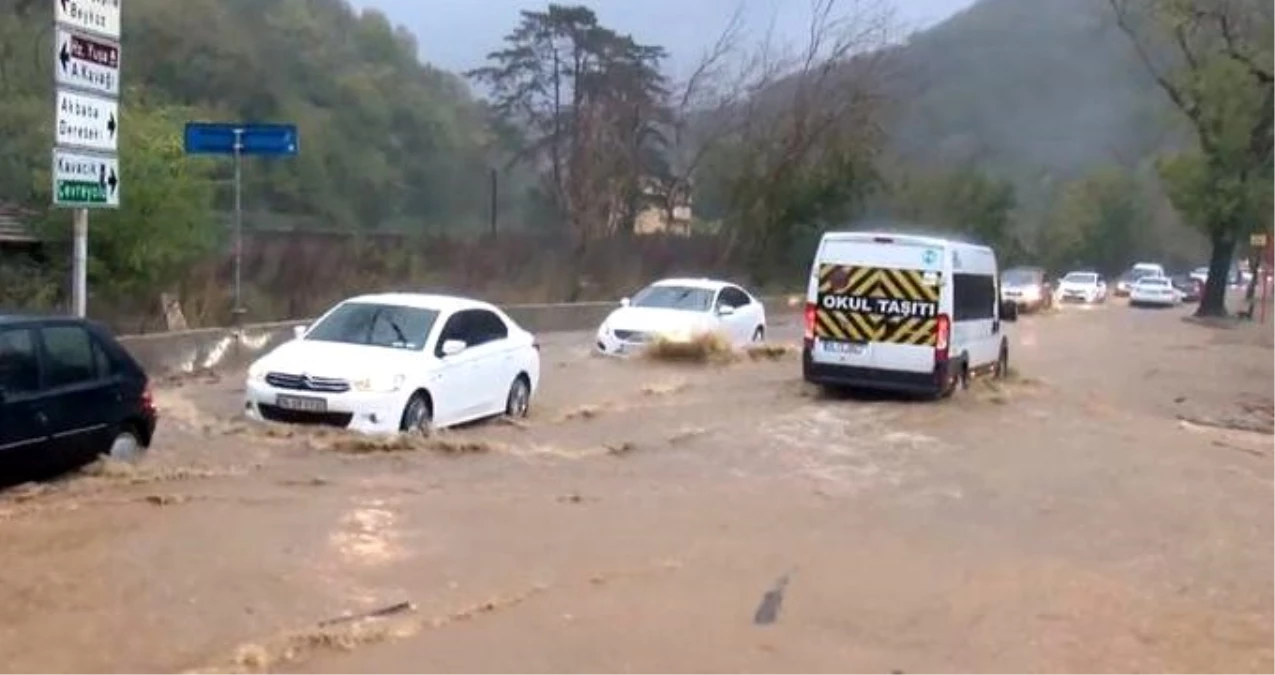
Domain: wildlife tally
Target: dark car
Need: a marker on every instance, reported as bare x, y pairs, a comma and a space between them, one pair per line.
68, 393
1190, 287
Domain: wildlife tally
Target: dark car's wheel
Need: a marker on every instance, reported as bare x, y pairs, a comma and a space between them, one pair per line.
126, 446
519, 401
418, 416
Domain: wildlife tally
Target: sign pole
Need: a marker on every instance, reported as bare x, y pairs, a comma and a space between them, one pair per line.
86, 121
238, 310
79, 261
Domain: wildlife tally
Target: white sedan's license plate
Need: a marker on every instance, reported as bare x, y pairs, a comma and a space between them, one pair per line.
302, 403
837, 347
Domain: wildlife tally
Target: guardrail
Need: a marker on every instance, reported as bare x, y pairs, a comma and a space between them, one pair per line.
189, 351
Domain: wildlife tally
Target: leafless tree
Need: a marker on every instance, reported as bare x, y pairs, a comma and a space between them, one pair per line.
809, 127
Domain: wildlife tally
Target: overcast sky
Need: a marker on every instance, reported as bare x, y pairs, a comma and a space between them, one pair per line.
457, 34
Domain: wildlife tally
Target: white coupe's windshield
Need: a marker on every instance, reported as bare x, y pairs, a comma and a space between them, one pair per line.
688, 298
365, 323
1081, 278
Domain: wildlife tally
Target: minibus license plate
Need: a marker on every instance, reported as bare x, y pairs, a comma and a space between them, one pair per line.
838, 347
302, 403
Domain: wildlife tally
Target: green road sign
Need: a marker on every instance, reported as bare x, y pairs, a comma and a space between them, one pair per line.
80, 192
85, 180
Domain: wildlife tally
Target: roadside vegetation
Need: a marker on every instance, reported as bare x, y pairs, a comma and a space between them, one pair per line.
1077, 133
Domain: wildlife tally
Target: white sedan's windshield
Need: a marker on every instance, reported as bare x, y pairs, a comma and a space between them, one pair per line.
1081, 278
365, 323
688, 298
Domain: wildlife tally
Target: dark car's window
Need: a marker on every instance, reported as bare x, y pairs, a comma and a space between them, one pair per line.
71, 358
365, 323
19, 368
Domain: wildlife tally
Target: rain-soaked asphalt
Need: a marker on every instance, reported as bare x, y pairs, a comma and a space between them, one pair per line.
697, 518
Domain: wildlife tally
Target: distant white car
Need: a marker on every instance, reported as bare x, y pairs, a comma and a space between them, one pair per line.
1154, 291
1086, 287
681, 309
398, 362
1200, 274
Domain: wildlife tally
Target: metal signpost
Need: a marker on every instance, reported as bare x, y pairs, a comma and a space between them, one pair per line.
86, 76
238, 139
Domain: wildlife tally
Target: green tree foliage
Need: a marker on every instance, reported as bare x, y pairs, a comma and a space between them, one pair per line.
1212, 59
385, 140
1098, 222
165, 220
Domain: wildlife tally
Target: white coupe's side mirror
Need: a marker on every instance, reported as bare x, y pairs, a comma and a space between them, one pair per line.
725, 310
624, 302
453, 347
298, 331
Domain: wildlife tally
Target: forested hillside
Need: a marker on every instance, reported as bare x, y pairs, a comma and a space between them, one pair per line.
1042, 91
387, 142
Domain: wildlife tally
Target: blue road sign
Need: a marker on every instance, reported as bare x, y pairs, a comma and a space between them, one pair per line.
218, 138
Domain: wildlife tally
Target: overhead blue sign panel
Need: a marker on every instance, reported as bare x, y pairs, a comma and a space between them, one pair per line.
225, 138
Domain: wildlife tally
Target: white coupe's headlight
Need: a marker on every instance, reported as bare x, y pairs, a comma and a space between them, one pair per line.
381, 384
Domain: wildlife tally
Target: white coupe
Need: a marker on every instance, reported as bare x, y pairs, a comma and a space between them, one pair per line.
681, 309
398, 362
1154, 291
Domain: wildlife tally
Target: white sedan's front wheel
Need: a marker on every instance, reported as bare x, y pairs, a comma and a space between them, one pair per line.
418, 416
759, 335
519, 401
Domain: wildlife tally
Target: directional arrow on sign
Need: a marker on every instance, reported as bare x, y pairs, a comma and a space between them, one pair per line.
112, 181
64, 56
110, 125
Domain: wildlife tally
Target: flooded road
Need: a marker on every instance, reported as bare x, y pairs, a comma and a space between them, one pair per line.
1087, 515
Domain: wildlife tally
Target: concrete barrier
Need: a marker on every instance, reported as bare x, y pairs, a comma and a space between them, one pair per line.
190, 351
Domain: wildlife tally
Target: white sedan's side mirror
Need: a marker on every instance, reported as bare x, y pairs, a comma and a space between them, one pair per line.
624, 302
725, 310
453, 347
298, 331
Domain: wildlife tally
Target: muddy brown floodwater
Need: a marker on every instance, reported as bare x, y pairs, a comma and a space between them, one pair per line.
1109, 508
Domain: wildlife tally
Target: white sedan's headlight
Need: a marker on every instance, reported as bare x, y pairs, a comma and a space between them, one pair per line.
257, 372
381, 384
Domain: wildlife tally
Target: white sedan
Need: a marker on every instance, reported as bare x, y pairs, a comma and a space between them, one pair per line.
1086, 287
1154, 291
681, 309
398, 362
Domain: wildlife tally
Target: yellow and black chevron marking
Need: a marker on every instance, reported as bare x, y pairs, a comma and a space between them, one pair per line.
877, 282
872, 283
